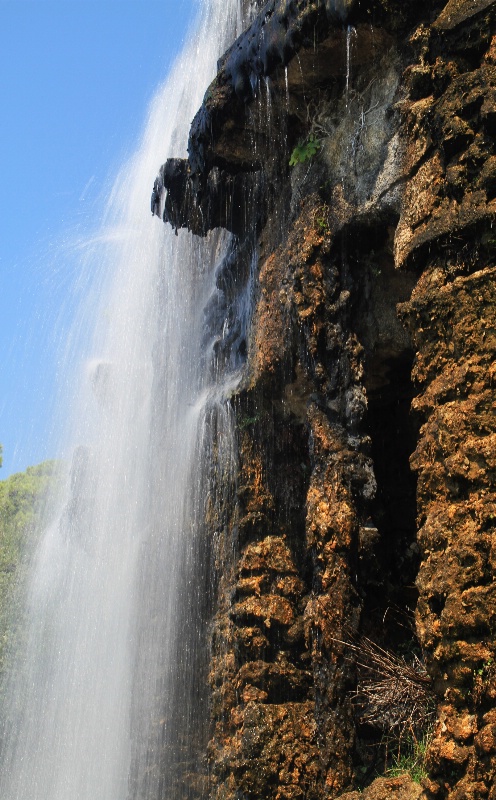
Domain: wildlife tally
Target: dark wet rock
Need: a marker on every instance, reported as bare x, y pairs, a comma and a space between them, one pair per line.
272, 40
224, 201
456, 12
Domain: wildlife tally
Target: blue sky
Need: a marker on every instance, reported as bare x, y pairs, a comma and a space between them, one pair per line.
76, 78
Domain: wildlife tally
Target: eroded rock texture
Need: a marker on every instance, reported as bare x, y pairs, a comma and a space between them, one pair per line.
364, 489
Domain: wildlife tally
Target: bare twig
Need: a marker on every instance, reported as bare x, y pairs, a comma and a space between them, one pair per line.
392, 694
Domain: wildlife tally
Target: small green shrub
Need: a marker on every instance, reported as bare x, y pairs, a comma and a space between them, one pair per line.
304, 151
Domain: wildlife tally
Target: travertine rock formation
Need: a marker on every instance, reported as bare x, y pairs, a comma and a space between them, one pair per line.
367, 437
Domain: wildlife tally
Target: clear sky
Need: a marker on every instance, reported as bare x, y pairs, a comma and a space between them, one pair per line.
76, 78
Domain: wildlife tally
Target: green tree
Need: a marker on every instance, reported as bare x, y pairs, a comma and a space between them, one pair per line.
21, 498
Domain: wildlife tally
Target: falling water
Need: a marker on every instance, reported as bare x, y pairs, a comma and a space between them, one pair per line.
106, 701
350, 33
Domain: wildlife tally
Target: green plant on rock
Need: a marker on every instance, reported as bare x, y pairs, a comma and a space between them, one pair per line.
322, 224
246, 421
304, 151
483, 678
410, 757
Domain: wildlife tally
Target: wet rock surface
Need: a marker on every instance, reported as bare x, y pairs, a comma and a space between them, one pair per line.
364, 494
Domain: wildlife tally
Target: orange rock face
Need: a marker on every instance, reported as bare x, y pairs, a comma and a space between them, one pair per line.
451, 316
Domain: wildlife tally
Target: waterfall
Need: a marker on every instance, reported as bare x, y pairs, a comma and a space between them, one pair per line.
106, 700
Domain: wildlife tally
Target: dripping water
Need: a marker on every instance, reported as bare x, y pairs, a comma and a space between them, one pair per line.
268, 104
350, 33
105, 700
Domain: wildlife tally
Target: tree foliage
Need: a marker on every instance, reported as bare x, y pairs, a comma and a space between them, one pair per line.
21, 498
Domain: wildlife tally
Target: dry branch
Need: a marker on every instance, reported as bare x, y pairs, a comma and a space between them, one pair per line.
392, 694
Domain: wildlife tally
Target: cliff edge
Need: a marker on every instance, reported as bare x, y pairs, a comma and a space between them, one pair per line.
350, 149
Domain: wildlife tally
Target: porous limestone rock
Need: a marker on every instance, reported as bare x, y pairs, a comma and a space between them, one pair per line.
365, 486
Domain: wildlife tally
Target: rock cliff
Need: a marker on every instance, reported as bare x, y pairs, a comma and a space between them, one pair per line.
355, 604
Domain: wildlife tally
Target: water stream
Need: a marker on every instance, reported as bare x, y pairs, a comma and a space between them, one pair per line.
106, 702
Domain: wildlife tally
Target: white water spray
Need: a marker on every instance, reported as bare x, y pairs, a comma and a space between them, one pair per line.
97, 709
